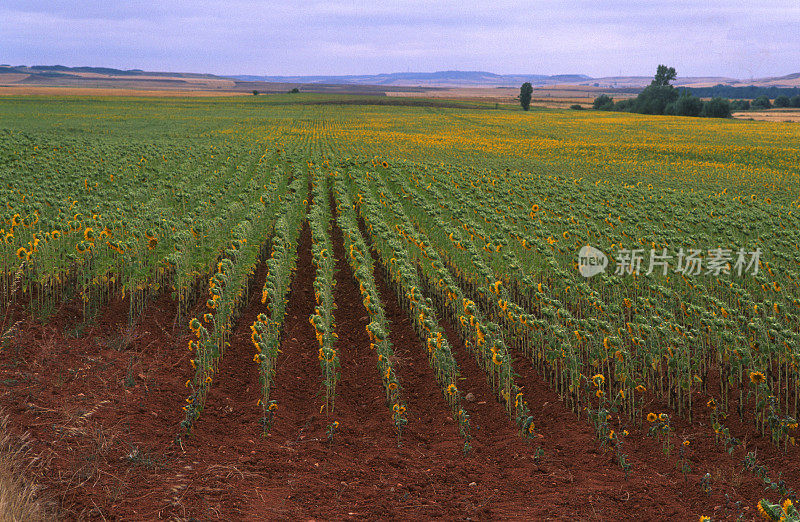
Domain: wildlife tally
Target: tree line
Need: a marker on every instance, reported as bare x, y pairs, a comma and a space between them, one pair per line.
749, 92
661, 97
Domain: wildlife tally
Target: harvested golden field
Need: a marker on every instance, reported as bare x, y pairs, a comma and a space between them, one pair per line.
776, 115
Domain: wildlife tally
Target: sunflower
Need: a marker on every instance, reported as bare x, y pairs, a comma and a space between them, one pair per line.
712, 404
641, 389
651, 417
22, 253
273, 406
194, 324
757, 378
452, 390
763, 511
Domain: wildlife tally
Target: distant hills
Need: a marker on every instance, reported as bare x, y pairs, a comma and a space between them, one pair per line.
434, 79
487, 79
379, 84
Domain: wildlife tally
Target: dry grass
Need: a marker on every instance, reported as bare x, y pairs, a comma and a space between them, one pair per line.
551, 97
19, 498
37, 90
785, 115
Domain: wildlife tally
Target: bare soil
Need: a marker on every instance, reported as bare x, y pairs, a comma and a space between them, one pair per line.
102, 403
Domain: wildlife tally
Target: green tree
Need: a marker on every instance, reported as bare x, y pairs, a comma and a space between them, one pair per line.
783, 101
664, 75
626, 105
716, 108
654, 99
525, 93
604, 102
688, 105
796, 101
740, 105
762, 102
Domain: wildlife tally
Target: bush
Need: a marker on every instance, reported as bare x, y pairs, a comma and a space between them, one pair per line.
576, 107
783, 101
604, 102
716, 108
762, 102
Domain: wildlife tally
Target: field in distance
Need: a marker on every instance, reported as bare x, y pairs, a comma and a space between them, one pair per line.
338, 307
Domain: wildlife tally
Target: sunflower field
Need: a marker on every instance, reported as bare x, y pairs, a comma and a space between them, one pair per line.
478, 220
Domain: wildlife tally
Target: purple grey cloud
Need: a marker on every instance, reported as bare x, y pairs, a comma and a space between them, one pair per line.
698, 38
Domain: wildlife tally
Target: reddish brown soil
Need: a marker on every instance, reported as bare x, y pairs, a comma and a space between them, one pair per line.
104, 416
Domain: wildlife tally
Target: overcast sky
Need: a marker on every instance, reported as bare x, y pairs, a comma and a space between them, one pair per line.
735, 38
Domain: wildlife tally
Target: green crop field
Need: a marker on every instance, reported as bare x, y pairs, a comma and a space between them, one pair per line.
670, 346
